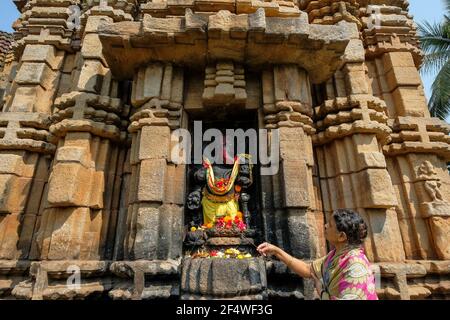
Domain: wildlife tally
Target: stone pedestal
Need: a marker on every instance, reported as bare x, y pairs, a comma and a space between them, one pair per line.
223, 279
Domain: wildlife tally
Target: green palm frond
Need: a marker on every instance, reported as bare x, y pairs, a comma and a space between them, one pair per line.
434, 37
439, 104
433, 62
435, 43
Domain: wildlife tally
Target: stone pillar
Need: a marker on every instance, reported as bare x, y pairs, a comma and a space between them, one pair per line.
291, 214
400, 85
418, 151
26, 146
416, 140
77, 229
352, 128
416, 148
157, 194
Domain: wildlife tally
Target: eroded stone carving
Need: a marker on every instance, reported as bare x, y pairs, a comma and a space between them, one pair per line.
438, 206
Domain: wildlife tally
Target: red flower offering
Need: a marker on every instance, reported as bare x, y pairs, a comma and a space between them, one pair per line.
241, 226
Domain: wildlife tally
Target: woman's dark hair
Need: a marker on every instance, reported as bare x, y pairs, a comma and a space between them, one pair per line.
351, 223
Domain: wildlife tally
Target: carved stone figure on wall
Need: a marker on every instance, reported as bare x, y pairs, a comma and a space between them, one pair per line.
432, 182
436, 211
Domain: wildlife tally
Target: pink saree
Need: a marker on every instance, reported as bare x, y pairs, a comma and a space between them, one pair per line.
345, 275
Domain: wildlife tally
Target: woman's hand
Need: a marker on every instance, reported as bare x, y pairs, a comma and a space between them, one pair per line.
298, 266
267, 249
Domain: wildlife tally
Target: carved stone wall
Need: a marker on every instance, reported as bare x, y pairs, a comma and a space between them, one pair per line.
6, 40
88, 186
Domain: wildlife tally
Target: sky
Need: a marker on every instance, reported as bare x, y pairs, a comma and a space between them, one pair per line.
422, 10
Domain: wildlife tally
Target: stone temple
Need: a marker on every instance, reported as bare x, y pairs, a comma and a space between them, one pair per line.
91, 90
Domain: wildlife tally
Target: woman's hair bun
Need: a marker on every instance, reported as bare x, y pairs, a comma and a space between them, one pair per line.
352, 224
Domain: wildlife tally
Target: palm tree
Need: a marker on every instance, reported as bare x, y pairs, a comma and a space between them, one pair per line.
435, 42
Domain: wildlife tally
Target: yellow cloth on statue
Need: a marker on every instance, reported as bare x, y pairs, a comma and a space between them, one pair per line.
219, 202
215, 209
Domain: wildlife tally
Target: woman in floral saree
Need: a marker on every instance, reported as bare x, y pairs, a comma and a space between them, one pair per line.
343, 274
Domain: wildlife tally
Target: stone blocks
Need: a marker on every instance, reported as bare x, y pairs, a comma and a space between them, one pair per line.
156, 232
157, 91
209, 278
74, 181
155, 143
252, 38
287, 98
67, 187
380, 193
152, 176
295, 189
225, 85
440, 227
43, 53
402, 80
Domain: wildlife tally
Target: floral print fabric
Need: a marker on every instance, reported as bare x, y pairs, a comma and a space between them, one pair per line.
345, 275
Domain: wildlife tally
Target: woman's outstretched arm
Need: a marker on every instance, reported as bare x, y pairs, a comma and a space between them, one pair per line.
298, 266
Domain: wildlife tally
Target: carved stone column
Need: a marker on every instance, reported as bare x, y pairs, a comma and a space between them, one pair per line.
157, 185
26, 146
77, 229
289, 203
417, 153
419, 148
352, 128
397, 81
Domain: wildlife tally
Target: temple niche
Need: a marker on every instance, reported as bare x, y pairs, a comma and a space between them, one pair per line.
90, 186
